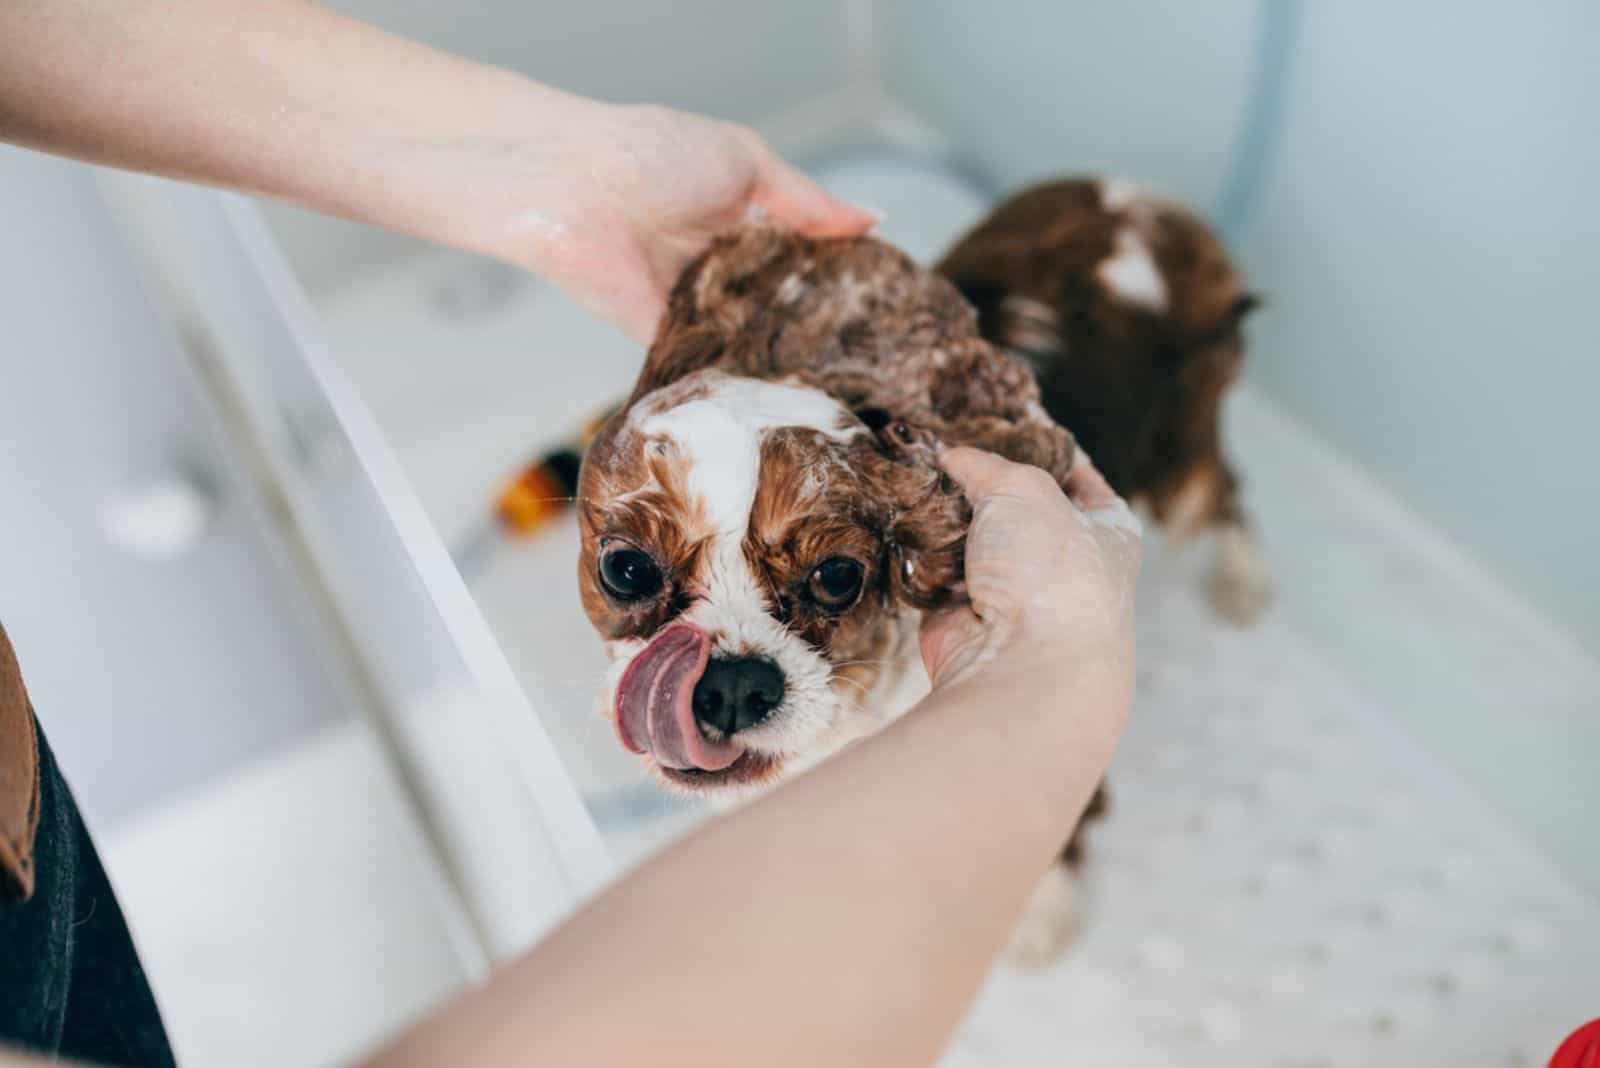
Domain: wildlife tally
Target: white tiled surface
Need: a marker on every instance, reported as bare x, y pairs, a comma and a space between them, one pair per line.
1285, 881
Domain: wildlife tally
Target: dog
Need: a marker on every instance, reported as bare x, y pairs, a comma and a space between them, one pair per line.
1131, 313
764, 522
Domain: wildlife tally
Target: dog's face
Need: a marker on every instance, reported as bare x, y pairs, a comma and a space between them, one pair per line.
755, 556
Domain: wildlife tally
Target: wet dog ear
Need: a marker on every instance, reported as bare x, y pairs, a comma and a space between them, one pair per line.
927, 549
680, 349
924, 518
922, 512
926, 515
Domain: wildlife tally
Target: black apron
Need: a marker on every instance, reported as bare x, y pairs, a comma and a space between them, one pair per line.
70, 980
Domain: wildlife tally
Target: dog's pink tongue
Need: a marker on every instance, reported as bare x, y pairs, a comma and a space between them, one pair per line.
654, 709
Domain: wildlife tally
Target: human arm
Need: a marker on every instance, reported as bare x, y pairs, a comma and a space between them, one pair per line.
291, 100
849, 916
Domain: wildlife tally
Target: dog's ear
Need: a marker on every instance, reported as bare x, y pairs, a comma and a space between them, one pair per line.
927, 548
680, 348
922, 513
1227, 328
925, 515
947, 384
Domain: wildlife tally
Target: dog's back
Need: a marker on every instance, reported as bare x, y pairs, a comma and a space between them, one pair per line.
1129, 310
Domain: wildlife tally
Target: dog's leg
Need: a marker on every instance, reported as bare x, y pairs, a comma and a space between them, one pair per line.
1240, 585
1050, 923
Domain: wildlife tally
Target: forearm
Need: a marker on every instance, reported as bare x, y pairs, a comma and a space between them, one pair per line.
283, 98
847, 918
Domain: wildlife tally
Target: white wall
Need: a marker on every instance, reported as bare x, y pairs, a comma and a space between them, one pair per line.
150, 675
730, 58
1036, 88
1427, 240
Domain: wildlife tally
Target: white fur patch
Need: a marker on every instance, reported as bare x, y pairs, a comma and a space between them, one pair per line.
1050, 924
792, 289
1031, 326
1191, 505
719, 436
1130, 272
851, 295
1241, 581
1119, 194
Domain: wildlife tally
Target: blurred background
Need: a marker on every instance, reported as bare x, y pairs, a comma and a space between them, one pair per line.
336, 775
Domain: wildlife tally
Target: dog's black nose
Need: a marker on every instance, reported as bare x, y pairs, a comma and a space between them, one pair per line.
737, 692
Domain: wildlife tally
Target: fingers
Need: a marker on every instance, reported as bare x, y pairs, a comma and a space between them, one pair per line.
640, 320
630, 299
795, 200
1089, 490
982, 474
1087, 487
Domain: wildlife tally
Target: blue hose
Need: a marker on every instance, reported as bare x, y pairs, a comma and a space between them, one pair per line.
1277, 35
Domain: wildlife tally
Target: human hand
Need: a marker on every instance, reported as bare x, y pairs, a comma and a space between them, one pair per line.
1050, 578
630, 195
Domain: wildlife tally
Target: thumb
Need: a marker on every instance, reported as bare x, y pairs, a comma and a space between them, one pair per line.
797, 201
981, 473
950, 641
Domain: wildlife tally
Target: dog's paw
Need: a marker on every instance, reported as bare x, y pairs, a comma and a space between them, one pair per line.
1050, 925
1240, 586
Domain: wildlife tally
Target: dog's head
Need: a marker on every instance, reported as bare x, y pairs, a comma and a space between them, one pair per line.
766, 519
756, 556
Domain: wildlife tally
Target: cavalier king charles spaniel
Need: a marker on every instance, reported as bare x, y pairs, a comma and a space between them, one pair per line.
765, 521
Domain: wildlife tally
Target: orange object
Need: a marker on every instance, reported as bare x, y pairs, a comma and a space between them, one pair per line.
532, 498
544, 489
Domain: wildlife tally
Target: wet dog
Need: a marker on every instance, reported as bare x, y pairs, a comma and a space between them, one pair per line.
764, 521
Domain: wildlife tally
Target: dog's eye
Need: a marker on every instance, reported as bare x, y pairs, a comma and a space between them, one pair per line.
628, 574
836, 583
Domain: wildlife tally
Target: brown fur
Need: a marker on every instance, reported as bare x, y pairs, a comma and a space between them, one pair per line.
898, 345
1140, 388
863, 323
1039, 342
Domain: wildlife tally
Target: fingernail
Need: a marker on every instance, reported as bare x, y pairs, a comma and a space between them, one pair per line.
872, 210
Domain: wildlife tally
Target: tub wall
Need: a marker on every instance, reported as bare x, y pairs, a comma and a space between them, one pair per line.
1034, 88
152, 673
1427, 238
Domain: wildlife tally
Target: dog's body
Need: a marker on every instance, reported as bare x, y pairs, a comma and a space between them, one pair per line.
764, 522
1130, 312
